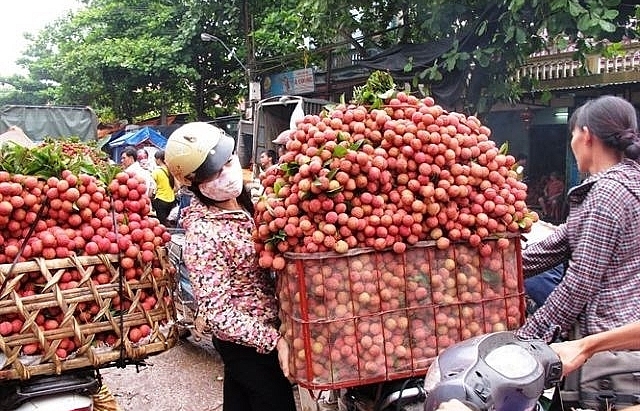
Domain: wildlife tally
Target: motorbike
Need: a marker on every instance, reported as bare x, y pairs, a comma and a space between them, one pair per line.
496, 371
409, 394
72, 391
486, 369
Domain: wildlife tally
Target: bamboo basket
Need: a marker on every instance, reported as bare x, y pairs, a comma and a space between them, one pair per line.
89, 350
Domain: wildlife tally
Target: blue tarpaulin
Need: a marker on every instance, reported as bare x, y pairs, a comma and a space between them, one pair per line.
136, 138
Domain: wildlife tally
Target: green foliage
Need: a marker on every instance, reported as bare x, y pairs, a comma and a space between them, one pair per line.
124, 58
490, 39
52, 157
129, 59
113, 53
24, 90
377, 88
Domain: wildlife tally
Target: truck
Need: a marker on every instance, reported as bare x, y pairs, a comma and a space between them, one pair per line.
40, 122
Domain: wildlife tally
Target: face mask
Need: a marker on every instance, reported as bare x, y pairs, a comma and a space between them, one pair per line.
227, 185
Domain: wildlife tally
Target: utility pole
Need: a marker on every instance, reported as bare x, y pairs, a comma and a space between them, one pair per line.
254, 86
246, 26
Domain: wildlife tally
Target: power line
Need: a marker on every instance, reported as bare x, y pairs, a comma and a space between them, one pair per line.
324, 49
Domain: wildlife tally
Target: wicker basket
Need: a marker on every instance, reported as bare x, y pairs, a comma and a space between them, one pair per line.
117, 308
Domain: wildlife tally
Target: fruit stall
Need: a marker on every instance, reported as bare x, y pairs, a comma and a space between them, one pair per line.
394, 228
85, 280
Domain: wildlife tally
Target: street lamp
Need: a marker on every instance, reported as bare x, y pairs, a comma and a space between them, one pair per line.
254, 87
211, 37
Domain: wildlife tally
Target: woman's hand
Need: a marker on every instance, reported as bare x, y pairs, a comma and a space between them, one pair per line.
283, 357
571, 353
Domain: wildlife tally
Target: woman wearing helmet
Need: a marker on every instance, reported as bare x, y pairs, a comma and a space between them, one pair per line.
236, 298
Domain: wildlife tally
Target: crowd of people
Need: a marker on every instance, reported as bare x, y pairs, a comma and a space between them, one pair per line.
160, 183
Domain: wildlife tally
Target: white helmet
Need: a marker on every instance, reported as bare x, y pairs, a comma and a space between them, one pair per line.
197, 150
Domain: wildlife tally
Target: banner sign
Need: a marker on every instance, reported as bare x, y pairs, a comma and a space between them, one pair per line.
295, 82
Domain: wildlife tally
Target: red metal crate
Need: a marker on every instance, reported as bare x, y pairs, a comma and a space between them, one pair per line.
368, 316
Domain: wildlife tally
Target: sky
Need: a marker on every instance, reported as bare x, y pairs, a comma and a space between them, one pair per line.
31, 16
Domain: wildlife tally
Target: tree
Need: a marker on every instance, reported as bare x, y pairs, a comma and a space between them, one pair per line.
114, 54
128, 60
22, 90
485, 41
223, 82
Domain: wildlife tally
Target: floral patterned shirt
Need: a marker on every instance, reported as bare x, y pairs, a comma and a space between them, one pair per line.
599, 291
236, 298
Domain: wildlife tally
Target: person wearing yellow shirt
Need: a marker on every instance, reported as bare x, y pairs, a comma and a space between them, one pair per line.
164, 198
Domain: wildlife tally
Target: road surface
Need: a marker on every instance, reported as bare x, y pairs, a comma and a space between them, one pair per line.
188, 377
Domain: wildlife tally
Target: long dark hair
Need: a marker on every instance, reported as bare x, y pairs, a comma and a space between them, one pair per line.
613, 120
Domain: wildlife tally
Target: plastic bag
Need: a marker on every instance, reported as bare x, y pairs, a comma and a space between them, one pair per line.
296, 116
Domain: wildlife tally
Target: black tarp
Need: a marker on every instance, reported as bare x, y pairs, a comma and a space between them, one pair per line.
395, 58
447, 91
424, 55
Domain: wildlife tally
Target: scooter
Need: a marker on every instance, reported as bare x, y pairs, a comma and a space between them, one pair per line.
496, 371
72, 391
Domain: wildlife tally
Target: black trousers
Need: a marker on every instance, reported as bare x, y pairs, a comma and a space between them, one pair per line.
162, 209
253, 381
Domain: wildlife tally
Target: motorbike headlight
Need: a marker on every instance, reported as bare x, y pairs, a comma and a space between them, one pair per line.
433, 376
512, 361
